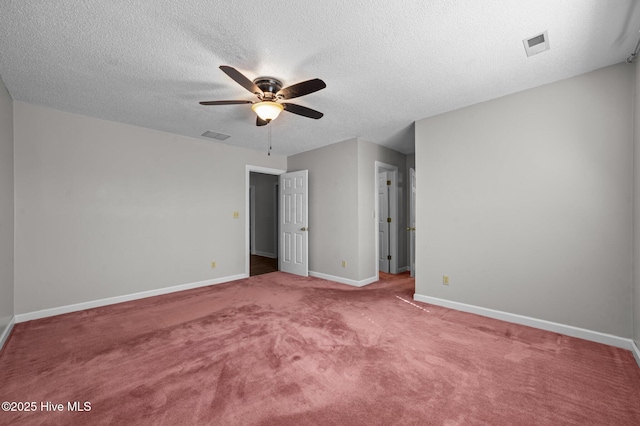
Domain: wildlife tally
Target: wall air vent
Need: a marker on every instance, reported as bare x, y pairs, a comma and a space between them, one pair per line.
536, 44
214, 135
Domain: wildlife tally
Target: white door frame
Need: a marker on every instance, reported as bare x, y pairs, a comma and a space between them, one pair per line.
247, 209
276, 219
252, 218
412, 221
393, 213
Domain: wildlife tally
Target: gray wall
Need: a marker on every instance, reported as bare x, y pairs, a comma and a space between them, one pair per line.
636, 212
526, 202
106, 209
333, 207
341, 202
411, 162
266, 225
368, 154
6, 208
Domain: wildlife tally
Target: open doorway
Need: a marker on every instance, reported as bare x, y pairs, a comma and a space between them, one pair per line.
263, 223
262, 230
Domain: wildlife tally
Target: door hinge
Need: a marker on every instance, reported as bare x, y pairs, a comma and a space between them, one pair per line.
389, 219
388, 182
389, 257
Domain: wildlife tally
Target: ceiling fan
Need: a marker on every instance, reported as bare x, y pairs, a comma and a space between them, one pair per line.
270, 92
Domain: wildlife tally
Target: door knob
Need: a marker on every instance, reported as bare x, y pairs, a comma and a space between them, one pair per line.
411, 229
304, 228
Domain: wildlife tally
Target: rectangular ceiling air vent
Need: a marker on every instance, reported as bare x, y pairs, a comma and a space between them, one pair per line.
536, 44
214, 135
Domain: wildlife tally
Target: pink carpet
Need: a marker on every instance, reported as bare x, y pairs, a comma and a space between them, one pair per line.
276, 349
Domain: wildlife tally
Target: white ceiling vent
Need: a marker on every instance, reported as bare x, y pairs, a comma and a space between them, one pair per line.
214, 135
536, 44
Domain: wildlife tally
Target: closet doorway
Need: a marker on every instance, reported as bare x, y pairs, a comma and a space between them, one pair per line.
263, 223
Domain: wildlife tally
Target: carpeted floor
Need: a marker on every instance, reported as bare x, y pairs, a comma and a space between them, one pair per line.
276, 349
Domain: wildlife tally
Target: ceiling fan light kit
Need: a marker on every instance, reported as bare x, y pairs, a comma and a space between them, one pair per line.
267, 110
269, 92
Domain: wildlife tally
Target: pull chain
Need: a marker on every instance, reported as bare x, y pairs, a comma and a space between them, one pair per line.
269, 152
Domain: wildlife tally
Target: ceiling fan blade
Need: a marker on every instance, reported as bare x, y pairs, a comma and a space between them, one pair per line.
301, 89
303, 111
261, 122
225, 102
239, 78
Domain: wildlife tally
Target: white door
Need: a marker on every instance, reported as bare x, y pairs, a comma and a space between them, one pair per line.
412, 222
294, 240
383, 224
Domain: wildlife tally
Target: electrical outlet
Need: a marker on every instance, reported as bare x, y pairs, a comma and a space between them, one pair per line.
213, 265
445, 280
344, 263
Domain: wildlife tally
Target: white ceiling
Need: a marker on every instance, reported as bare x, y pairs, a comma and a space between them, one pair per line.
385, 63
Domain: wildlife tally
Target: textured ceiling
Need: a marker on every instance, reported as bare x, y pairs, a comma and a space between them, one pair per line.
386, 64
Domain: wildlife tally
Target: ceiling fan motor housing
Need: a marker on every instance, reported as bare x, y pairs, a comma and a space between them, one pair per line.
269, 85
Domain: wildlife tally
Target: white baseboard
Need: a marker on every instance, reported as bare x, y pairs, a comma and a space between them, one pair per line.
119, 299
343, 280
635, 351
403, 269
6, 332
265, 254
569, 330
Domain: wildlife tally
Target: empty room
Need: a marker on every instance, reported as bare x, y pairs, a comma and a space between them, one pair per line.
327, 213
